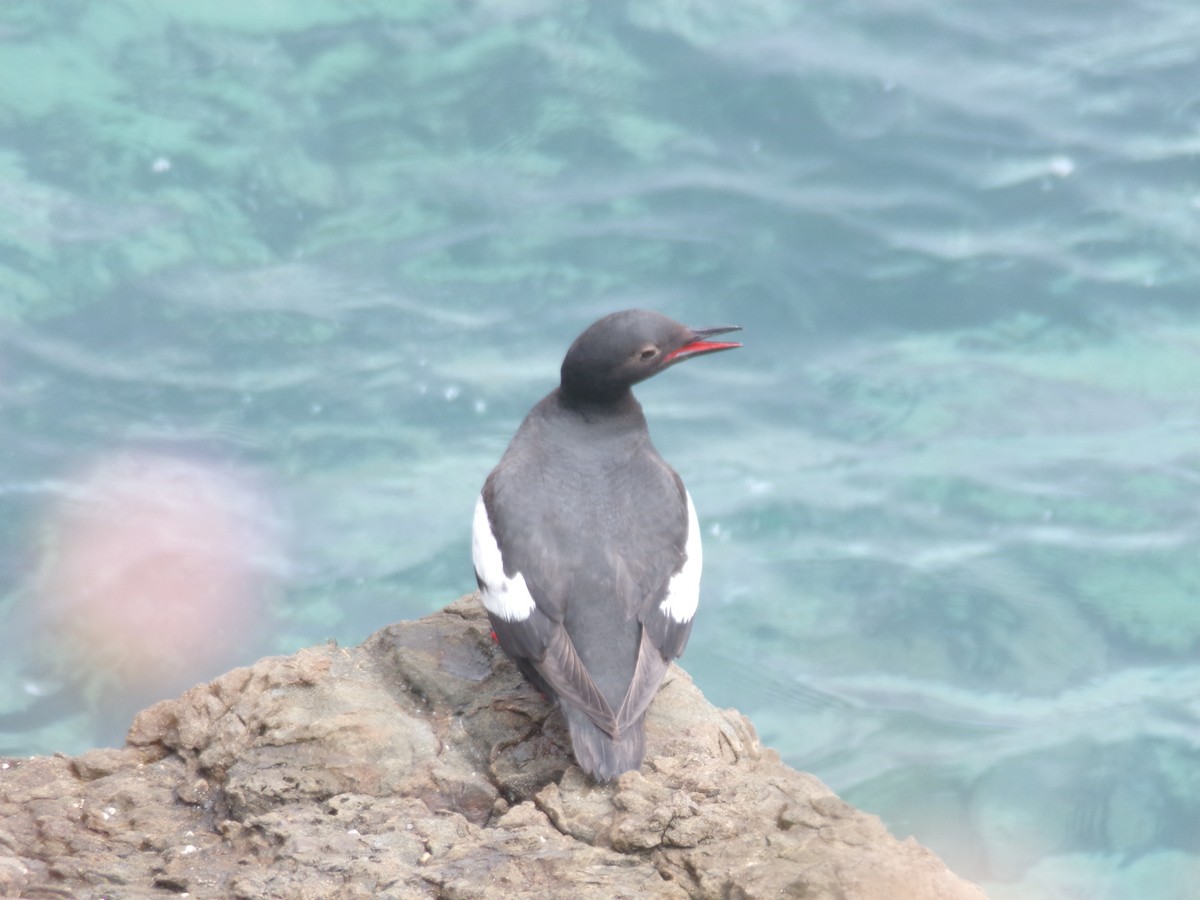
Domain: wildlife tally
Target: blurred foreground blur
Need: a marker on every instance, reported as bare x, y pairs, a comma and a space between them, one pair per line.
153, 572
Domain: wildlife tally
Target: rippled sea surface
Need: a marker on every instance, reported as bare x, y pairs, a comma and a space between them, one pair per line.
278, 282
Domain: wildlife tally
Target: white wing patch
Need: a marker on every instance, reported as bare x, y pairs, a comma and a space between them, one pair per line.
508, 598
683, 590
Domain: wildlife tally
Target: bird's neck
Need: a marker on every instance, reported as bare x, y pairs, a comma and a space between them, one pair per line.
622, 406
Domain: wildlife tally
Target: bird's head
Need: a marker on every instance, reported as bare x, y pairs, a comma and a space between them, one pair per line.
626, 347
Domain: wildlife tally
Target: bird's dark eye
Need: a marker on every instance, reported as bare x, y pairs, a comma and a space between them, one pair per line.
649, 353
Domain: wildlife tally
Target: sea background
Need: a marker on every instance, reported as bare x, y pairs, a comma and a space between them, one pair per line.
279, 280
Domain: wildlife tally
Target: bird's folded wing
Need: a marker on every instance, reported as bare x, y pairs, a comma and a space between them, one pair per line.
565, 673
647, 676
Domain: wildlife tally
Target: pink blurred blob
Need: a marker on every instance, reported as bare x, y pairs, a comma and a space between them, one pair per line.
156, 571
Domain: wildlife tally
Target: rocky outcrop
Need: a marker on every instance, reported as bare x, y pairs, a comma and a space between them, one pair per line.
420, 765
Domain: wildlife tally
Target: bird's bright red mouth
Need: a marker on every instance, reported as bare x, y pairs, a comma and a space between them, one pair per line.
696, 348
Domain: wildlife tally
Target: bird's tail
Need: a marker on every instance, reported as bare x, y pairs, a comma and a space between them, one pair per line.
598, 753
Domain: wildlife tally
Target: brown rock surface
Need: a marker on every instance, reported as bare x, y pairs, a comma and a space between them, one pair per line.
421, 765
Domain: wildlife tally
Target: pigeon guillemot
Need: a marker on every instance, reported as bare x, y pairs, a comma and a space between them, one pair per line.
585, 542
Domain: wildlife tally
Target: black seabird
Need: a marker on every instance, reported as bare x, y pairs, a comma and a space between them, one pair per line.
585, 542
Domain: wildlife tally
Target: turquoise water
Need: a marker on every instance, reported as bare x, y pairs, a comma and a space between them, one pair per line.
278, 281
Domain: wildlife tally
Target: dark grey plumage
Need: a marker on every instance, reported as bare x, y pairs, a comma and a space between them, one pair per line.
583, 537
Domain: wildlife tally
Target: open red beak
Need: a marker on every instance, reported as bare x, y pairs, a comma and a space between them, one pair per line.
698, 344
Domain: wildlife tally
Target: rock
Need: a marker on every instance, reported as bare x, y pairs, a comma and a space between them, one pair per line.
420, 765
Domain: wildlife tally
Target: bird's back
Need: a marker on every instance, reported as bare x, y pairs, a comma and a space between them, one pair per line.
595, 525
